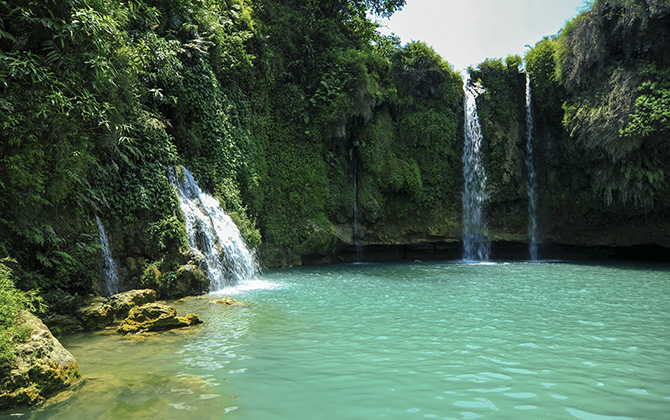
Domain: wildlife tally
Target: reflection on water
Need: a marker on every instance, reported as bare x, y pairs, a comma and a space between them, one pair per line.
422, 340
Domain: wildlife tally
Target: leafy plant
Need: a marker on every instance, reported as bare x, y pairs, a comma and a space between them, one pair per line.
12, 302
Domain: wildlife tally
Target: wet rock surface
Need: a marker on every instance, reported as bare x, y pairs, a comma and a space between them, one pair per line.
155, 317
122, 303
42, 367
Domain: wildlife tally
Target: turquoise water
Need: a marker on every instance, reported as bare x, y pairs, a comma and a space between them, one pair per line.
400, 341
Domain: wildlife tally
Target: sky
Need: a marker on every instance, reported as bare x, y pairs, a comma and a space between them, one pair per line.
466, 32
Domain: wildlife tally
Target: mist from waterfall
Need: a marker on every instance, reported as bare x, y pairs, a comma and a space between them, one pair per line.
213, 235
531, 179
475, 232
110, 285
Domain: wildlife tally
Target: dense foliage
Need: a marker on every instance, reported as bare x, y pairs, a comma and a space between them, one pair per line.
613, 61
601, 115
501, 111
99, 99
272, 105
334, 100
12, 302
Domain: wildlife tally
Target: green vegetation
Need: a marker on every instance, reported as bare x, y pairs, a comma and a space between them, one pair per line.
612, 61
501, 110
601, 120
12, 302
265, 102
333, 95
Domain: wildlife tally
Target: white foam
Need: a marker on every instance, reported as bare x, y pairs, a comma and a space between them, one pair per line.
250, 285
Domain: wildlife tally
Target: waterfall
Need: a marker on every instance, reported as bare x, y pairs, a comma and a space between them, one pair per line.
531, 181
475, 232
111, 284
357, 234
213, 235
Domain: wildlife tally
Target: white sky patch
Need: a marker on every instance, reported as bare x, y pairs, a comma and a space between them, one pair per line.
468, 32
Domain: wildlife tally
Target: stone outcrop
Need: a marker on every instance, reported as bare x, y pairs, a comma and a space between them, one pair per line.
122, 303
99, 312
189, 279
138, 307
155, 317
60, 324
42, 367
96, 316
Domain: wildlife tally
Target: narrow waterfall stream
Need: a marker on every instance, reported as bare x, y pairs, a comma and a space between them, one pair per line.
475, 232
213, 235
531, 180
111, 284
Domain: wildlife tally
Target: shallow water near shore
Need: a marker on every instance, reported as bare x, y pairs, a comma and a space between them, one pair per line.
417, 340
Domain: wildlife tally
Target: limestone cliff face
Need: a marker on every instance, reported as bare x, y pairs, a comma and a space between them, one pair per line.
43, 367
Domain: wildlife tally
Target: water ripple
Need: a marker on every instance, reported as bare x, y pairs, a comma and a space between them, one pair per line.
437, 340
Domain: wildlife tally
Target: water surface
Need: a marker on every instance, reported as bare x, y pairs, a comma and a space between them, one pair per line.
415, 340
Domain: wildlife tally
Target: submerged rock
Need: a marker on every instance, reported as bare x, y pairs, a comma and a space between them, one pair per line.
155, 317
42, 367
226, 301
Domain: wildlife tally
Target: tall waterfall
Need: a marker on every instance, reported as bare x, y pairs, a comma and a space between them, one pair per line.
111, 284
475, 232
531, 181
213, 235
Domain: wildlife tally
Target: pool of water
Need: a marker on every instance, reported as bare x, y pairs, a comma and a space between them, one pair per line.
407, 341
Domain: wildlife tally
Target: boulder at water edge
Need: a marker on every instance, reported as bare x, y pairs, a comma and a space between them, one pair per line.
42, 367
124, 302
100, 312
155, 317
96, 316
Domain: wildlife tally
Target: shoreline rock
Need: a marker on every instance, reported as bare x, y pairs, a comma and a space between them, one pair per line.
123, 302
42, 367
100, 313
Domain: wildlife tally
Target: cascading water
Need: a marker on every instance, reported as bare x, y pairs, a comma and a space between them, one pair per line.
531, 181
475, 232
213, 235
111, 284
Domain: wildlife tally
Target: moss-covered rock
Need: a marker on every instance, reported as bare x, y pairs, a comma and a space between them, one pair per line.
155, 317
42, 367
123, 302
97, 315
191, 280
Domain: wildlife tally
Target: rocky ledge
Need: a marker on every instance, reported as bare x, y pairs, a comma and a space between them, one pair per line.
155, 317
42, 367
